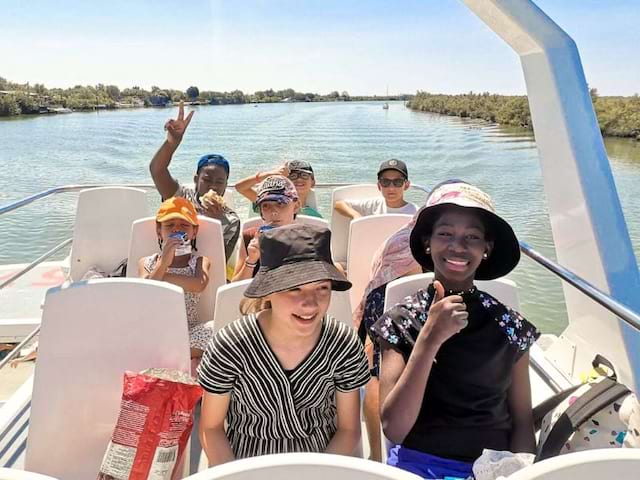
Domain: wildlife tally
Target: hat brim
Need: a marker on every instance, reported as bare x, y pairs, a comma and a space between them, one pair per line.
292, 275
503, 258
172, 215
276, 197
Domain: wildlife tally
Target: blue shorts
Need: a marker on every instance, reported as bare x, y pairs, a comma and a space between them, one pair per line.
428, 466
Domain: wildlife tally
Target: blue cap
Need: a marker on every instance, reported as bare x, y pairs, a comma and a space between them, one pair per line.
213, 159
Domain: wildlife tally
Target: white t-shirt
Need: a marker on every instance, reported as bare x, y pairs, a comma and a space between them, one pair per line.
377, 206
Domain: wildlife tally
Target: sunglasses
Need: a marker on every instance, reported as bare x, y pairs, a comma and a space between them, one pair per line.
302, 175
387, 182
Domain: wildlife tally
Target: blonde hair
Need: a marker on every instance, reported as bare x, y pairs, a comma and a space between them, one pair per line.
254, 305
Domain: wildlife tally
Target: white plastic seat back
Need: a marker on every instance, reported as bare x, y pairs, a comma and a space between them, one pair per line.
309, 466
229, 297
312, 200
13, 474
340, 223
144, 242
366, 236
92, 332
503, 289
103, 226
229, 198
599, 464
308, 220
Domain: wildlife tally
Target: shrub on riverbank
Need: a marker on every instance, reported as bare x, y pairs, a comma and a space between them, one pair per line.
617, 116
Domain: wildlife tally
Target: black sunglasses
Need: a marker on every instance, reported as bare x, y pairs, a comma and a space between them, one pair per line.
297, 175
387, 182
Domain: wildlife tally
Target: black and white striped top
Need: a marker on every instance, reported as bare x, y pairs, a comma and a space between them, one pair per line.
274, 411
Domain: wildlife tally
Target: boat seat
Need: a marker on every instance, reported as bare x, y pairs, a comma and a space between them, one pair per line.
13, 474
229, 296
340, 223
92, 332
366, 236
503, 289
310, 466
229, 198
144, 242
588, 465
312, 200
103, 226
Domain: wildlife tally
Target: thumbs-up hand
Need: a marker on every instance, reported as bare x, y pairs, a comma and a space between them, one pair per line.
447, 316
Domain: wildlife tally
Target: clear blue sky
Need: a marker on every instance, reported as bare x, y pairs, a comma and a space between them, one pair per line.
309, 45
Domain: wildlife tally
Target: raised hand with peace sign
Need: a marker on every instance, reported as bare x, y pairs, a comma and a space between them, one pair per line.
176, 128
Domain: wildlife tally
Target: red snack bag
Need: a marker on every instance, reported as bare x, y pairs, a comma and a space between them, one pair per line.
154, 425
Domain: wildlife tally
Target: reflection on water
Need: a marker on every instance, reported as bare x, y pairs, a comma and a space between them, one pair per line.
345, 142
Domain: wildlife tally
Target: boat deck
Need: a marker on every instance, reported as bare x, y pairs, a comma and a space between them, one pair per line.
21, 301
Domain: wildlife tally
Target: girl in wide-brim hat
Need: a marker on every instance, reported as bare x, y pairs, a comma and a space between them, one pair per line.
454, 377
286, 377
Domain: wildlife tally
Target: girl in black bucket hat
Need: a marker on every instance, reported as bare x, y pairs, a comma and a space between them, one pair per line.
285, 378
454, 377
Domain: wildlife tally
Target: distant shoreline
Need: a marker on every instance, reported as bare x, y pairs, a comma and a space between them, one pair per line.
25, 99
617, 116
63, 111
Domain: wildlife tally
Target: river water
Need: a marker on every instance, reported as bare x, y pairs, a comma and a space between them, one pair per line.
344, 141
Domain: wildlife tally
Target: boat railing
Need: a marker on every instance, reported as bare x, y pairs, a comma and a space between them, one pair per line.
612, 305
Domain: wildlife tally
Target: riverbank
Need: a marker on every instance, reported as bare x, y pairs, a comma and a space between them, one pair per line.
617, 116
25, 99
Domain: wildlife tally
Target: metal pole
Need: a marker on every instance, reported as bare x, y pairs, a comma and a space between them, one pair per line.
618, 309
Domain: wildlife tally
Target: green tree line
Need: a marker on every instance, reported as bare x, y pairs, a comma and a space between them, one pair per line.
17, 99
617, 116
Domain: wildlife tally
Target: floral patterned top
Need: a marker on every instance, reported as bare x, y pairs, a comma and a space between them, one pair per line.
465, 404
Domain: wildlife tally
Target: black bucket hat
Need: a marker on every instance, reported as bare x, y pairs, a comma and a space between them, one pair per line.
294, 255
505, 254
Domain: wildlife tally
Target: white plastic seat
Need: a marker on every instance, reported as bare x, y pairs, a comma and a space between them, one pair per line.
229, 296
312, 200
229, 198
596, 464
103, 226
310, 466
366, 236
144, 242
92, 332
503, 289
340, 223
12, 474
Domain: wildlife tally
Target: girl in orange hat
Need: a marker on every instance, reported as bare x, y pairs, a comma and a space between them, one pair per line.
177, 263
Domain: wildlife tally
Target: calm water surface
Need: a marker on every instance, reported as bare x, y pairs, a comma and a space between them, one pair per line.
344, 141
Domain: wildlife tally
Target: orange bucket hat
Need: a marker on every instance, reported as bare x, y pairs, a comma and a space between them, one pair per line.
177, 207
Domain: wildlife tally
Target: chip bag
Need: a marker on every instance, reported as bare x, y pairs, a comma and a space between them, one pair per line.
153, 428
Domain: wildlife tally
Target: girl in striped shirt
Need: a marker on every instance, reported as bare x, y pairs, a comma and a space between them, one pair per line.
287, 378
